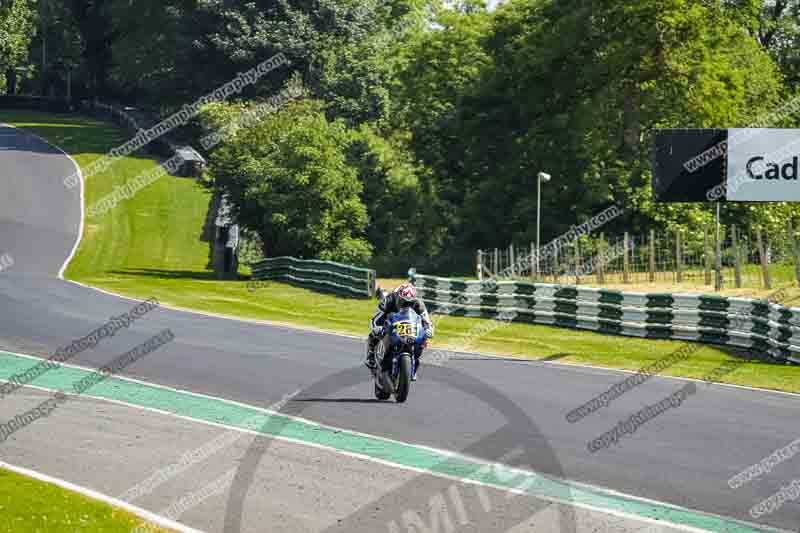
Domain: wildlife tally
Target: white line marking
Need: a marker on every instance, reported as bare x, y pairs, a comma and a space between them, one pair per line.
80, 225
160, 521
514, 359
275, 324
446, 453
80, 179
677, 378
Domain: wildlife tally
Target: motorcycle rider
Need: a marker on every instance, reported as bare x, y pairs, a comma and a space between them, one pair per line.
402, 297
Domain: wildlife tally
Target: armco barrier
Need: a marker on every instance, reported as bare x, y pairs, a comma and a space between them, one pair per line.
137, 120
127, 117
324, 276
757, 325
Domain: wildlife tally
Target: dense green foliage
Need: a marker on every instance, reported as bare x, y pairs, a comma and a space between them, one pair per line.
429, 120
16, 26
290, 181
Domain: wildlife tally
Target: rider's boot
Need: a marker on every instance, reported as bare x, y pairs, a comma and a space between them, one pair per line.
416, 369
370, 361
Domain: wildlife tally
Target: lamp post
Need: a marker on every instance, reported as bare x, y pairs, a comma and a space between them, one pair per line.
542, 176
43, 31
718, 261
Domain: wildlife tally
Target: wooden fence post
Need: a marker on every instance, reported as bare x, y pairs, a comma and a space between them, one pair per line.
678, 257
763, 255
577, 263
626, 259
556, 277
480, 265
737, 260
533, 263
496, 262
511, 260
795, 250
371, 283
502, 256
601, 258
707, 255
652, 256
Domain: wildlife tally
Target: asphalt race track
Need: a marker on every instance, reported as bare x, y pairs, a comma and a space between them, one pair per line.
481, 407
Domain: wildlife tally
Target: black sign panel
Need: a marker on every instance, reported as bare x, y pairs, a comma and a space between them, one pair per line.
688, 163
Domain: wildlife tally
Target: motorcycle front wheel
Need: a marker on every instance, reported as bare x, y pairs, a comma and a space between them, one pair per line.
403, 378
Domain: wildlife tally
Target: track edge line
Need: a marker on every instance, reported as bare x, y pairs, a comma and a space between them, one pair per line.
151, 517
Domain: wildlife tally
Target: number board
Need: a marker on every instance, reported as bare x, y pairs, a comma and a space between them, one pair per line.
406, 329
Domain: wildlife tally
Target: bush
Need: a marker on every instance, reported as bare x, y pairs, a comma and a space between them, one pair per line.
289, 180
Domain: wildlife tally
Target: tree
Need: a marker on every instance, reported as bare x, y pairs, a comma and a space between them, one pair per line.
405, 228
57, 51
439, 66
575, 89
98, 30
339, 47
779, 32
151, 38
776, 26
17, 19
290, 182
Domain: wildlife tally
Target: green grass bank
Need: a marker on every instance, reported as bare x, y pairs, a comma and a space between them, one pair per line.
28, 505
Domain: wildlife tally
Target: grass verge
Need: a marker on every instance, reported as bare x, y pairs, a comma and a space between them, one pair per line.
30, 505
151, 245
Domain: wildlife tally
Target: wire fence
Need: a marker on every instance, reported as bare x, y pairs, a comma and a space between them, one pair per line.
750, 257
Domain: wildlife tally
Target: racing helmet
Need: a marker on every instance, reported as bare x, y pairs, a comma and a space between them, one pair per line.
406, 295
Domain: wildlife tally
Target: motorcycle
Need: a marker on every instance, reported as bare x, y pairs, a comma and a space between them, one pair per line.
397, 354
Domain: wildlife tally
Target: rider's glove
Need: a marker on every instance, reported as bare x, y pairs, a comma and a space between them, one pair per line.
377, 331
429, 333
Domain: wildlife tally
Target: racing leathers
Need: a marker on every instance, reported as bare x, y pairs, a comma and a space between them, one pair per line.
391, 304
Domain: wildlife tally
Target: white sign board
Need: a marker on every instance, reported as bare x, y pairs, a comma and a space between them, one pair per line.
233, 237
763, 165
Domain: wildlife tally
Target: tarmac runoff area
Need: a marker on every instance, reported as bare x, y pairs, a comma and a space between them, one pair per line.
118, 450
